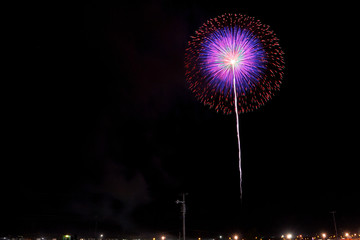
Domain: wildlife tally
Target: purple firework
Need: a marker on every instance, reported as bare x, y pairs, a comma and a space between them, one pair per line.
234, 45
234, 63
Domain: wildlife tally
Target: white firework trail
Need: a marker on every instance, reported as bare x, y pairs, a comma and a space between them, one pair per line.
237, 127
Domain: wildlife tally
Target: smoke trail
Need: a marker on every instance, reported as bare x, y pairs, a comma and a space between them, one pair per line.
237, 128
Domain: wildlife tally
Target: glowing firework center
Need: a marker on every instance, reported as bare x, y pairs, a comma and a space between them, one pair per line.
229, 48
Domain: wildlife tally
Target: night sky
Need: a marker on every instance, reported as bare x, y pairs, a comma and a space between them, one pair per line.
101, 129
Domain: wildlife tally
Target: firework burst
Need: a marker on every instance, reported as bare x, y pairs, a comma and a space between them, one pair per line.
239, 42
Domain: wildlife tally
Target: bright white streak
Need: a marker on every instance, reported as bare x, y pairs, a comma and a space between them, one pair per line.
237, 128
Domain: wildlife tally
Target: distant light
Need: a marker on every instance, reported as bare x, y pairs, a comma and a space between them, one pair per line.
282, 236
101, 235
323, 235
220, 237
236, 237
346, 234
289, 236
162, 237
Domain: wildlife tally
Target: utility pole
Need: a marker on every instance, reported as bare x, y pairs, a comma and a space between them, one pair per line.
336, 234
183, 211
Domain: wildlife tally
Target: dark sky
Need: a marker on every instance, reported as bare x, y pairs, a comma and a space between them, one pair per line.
100, 126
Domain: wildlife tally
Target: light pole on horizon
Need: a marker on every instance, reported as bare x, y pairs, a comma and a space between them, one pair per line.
336, 234
183, 211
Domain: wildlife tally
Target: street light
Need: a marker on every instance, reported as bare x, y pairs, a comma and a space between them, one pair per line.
289, 236
323, 235
183, 211
236, 237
